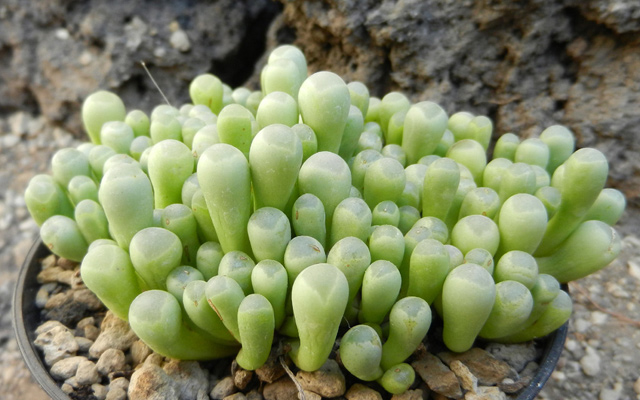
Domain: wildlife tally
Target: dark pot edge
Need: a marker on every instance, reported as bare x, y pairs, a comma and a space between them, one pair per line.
23, 308
552, 350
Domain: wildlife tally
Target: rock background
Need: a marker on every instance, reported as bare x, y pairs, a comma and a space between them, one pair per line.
525, 64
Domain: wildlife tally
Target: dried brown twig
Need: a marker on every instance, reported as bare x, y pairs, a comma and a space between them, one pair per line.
621, 317
301, 395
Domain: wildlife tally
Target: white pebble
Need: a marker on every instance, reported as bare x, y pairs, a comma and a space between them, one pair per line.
571, 345
180, 41
62, 34
100, 391
582, 325
609, 394
558, 376
599, 318
87, 373
590, 363
634, 269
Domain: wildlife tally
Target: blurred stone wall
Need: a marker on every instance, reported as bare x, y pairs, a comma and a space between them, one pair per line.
526, 64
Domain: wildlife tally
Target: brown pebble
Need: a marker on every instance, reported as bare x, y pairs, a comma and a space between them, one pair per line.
241, 377
139, 352
85, 322
282, 389
58, 299
489, 370
236, 396
416, 394
91, 332
49, 261
65, 263
254, 395
437, 376
467, 380
510, 386
359, 391
486, 393
87, 297
50, 275
327, 381
272, 370
110, 361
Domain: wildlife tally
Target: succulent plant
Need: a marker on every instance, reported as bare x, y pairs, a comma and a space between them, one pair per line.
247, 219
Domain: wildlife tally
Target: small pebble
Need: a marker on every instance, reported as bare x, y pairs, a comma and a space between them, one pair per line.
467, 380
223, 389
608, 394
66, 388
99, 391
116, 394
599, 318
41, 298
119, 383
558, 376
327, 381
359, 391
581, 325
66, 368
87, 373
84, 344
91, 332
56, 343
590, 363
86, 322
112, 360
180, 41
139, 352
236, 396
634, 269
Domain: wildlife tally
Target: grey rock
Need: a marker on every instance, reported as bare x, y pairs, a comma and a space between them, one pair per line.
516, 355
189, 379
223, 388
99, 46
561, 69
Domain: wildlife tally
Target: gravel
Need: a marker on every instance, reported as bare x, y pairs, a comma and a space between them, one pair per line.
602, 354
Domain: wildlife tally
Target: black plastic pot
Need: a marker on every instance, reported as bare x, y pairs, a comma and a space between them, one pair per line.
26, 318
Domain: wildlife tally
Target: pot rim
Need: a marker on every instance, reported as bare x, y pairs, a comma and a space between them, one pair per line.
27, 287
23, 296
